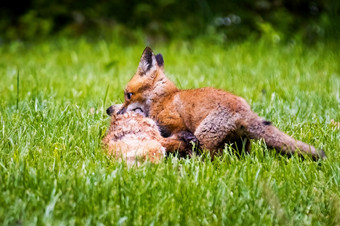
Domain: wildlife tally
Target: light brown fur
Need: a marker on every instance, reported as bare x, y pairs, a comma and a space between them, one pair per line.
136, 138
214, 116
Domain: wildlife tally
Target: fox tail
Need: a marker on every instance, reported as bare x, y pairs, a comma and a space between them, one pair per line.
278, 140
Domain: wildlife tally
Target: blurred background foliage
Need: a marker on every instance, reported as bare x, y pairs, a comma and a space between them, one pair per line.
161, 20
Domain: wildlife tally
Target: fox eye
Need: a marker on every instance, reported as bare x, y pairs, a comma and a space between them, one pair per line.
128, 95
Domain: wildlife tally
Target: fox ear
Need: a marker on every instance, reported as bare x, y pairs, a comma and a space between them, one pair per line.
160, 61
147, 61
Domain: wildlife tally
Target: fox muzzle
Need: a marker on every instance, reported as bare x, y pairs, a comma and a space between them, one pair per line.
121, 111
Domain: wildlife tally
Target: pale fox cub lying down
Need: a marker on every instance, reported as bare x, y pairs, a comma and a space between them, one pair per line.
135, 138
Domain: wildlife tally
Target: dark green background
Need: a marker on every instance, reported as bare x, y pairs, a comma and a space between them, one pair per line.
168, 19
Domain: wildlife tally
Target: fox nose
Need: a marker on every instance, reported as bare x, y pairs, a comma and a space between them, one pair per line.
109, 111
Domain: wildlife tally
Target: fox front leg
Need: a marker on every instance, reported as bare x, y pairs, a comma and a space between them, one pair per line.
183, 141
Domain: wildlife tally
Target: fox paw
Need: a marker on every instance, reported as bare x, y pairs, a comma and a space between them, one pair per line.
190, 140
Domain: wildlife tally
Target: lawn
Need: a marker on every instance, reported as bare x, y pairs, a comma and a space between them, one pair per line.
53, 169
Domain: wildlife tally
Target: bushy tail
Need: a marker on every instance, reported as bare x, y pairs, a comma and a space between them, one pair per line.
281, 142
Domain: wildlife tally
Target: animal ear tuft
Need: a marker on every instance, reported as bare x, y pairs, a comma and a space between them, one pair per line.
147, 60
160, 60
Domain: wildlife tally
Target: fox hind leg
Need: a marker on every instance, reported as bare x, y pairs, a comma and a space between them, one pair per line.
218, 128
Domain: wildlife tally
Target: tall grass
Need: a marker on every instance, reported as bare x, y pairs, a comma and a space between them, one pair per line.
53, 169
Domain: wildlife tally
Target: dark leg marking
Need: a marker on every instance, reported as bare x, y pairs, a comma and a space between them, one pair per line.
190, 140
164, 131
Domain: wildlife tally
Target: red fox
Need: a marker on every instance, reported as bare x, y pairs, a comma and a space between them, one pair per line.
214, 116
136, 138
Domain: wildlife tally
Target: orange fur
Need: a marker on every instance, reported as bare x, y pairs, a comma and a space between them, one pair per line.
214, 116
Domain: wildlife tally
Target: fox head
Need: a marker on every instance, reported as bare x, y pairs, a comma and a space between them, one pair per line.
148, 82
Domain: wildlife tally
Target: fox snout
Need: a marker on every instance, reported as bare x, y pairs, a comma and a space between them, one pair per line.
119, 109
114, 109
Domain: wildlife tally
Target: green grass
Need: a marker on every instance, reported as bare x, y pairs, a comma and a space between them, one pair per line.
53, 169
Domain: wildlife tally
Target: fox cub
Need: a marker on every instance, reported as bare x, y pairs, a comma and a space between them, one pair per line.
214, 116
136, 138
